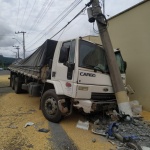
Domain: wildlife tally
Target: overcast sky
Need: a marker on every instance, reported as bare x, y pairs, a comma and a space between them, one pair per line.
41, 19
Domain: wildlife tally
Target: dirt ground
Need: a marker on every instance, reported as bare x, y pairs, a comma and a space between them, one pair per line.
15, 112
18, 109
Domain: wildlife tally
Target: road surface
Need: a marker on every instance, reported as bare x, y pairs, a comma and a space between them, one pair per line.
18, 109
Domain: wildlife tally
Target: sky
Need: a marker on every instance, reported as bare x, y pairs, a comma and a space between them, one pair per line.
41, 19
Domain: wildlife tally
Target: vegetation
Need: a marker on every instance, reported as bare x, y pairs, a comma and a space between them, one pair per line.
5, 61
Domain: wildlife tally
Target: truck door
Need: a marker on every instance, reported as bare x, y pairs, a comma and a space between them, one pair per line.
65, 65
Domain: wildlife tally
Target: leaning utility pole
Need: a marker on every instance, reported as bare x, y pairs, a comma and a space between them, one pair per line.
120, 92
23, 42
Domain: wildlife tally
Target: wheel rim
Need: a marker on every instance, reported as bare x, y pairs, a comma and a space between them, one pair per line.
51, 106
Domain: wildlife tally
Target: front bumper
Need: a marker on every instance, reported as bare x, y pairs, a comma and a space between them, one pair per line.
89, 106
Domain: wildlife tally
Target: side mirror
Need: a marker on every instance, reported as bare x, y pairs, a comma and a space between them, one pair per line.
69, 65
70, 69
64, 53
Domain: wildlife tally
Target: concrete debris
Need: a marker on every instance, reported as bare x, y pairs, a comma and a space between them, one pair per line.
29, 124
145, 148
129, 132
99, 131
93, 140
113, 143
136, 107
44, 130
83, 125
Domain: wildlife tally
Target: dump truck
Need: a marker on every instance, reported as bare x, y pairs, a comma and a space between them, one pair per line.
67, 74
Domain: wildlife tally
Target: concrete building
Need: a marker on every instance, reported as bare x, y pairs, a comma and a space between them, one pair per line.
130, 31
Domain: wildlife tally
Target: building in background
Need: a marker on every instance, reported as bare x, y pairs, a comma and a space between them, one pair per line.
130, 31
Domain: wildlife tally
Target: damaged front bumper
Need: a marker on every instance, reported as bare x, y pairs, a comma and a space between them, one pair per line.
89, 106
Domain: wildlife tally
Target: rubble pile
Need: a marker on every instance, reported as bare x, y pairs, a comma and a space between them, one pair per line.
126, 132
137, 130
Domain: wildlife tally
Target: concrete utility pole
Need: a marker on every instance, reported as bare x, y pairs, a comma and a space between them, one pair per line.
120, 92
23, 42
17, 47
15, 53
104, 7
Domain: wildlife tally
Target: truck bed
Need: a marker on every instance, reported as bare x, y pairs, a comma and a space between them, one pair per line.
36, 64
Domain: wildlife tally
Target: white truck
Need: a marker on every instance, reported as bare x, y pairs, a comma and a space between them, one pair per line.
67, 74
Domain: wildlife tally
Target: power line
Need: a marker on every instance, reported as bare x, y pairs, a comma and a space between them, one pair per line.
42, 15
66, 14
95, 29
69, 22
24, 12
61, 34
30, 13
71, 5
36, 18
87, 5
32, 50
45, 12
23, 33
18, 13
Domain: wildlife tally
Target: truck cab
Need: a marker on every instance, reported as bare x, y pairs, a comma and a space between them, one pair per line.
79, 77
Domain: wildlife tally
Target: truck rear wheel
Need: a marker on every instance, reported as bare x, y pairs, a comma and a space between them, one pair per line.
13, 82
49, 106
17, 85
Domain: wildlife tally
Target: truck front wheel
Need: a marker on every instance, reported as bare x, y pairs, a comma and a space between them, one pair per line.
49, 106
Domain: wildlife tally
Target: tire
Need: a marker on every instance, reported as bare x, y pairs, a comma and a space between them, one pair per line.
17, 86
13, 82
49, 106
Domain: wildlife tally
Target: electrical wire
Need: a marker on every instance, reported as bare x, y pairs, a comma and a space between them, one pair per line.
30, 13
66, 13
45, 12
69, 22
72, 19
97, 32
38, 15
56, 23
17, 14
61, 34
73, 24
32, 50
24, 13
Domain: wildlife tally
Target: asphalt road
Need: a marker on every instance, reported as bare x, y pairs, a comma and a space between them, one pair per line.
59, 140
18, 109
4, 72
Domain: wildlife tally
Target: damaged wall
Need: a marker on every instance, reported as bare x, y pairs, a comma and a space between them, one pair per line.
130, 31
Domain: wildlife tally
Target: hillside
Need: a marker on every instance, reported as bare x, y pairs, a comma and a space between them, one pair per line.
6, 61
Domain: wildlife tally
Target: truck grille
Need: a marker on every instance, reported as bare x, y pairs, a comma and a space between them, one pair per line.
103, 96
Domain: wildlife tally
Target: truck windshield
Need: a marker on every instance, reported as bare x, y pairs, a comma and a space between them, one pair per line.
92, 56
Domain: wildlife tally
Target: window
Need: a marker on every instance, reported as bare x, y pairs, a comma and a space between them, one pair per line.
67, 52
92, 56
72, 52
